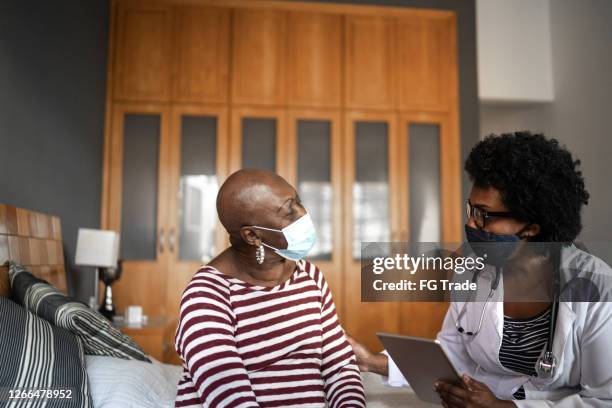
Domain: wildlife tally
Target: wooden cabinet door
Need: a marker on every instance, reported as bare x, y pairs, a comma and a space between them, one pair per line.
142, 52
258, 140
370, 215
258, 63
429, 178
369, 62
314, 154
427, 61
201, 59
429, 201
314, 56
136, 205
198, 167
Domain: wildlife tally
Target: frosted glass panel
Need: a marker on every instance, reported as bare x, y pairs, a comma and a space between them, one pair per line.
424, 183
371, 186
198, 188
140, 183
259, 144
314, 181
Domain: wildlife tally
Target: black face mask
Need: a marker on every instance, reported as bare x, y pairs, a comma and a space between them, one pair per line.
496, 249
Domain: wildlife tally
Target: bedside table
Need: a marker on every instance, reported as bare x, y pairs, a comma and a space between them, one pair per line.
153, 335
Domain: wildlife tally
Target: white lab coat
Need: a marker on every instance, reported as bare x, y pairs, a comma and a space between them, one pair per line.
582, 345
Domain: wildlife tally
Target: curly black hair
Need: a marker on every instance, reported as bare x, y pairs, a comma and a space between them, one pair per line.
537, 178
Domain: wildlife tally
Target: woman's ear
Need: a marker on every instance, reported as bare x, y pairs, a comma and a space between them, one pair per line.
531, 231
249, 236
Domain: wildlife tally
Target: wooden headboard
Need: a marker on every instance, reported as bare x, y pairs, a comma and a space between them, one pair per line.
34, 240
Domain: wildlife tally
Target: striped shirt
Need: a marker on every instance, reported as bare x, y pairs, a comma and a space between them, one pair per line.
251, 346
522, 344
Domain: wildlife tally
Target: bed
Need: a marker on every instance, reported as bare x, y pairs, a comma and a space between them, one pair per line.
34, 240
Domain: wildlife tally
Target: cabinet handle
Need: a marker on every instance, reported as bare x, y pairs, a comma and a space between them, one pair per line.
171, 240
161, 240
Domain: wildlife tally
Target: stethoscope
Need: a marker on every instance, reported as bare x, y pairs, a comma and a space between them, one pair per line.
546, 365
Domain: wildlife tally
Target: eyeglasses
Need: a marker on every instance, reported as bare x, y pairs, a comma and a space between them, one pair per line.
481, 216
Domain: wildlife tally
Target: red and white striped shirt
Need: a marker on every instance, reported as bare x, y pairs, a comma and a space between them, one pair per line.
251, 346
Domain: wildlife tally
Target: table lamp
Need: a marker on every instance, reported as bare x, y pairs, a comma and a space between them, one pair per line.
100, 249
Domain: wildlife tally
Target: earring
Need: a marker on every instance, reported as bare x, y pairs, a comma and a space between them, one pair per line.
260, 254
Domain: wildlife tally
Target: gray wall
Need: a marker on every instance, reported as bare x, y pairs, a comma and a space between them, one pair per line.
52, 93
468, 80
581, 33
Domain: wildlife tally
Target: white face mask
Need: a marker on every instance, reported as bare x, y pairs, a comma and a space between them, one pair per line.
300, 236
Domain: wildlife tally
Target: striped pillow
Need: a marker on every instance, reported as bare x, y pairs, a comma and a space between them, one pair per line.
99, 337
37, 355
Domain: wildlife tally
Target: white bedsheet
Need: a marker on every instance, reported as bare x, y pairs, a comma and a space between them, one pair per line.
117, 383
381, 396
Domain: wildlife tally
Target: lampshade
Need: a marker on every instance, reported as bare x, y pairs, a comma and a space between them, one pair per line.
99, 248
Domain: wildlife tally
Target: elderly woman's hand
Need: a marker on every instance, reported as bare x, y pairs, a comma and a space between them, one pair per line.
470, 394
368, 361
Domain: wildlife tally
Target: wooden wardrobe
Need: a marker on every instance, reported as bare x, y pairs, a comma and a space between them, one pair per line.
356, 106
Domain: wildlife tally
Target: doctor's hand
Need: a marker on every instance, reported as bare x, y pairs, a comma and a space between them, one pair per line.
368, 361
470, 394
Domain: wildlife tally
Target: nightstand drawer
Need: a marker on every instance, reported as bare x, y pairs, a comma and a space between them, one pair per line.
152, 343
152, 336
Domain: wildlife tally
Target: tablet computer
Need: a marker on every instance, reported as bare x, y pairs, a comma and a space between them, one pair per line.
422, 362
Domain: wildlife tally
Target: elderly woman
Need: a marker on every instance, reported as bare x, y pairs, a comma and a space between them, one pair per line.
258, 326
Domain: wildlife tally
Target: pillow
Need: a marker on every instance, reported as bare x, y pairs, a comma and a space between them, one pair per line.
5, 286
122, 383
37, 355
98, 335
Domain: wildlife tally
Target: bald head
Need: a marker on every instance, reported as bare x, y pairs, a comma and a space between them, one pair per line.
252, 197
